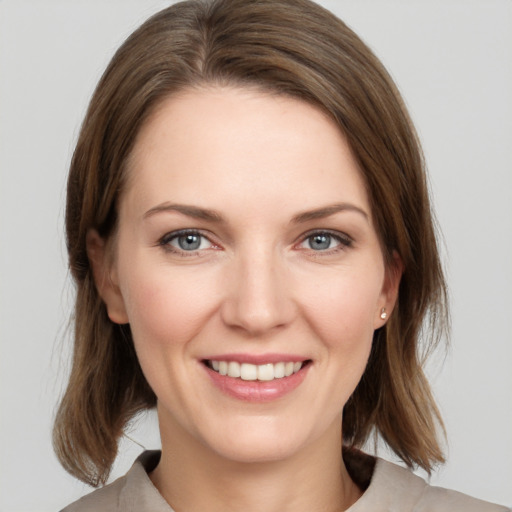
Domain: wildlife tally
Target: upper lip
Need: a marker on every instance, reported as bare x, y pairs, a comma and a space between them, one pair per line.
257, 359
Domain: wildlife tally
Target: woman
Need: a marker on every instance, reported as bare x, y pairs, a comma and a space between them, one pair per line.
250, 232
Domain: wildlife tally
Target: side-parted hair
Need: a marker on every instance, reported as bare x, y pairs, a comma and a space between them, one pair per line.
294, 48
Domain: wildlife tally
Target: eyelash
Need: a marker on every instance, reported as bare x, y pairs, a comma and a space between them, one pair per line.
165, 242
344, 241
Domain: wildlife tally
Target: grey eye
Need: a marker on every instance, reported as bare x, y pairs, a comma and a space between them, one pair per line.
189, 242
320, 241
186, 241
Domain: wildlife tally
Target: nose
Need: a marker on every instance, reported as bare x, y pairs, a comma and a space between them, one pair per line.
258, 296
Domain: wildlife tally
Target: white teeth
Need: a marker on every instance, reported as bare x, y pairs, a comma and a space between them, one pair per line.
266, 372
278, 370
248, 371
233, 369
261, 372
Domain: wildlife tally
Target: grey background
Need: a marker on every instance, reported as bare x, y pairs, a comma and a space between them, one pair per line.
451, 60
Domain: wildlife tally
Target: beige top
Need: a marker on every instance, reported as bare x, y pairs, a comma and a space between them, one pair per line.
391, 489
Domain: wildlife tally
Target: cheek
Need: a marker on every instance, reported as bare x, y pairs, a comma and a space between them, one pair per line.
343, 307
166, 308
341, 312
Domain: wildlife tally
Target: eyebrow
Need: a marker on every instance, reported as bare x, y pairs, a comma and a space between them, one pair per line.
213, 216
188, 210
327, 211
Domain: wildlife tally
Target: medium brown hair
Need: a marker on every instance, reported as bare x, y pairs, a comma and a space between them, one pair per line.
290, 47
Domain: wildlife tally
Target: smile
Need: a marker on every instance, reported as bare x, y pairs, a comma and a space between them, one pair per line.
251, 372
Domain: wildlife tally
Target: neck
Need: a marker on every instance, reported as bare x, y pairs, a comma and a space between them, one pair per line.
193, 478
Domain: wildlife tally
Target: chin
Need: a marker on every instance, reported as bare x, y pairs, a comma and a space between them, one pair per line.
261, 441
256, 452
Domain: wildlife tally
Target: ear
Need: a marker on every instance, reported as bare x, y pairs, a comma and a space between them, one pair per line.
389, 292
105, 277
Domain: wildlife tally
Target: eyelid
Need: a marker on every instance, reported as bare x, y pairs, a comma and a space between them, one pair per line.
344, 239
165, 240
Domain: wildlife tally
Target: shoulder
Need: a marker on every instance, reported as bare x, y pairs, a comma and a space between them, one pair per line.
416, 495
440, 499
395, 488
104, 499
134, 491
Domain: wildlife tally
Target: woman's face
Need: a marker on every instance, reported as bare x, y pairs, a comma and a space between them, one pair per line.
246, 245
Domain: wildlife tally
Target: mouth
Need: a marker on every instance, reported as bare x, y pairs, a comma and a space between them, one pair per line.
256, 372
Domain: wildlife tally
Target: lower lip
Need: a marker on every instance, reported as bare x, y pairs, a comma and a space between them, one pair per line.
255, 390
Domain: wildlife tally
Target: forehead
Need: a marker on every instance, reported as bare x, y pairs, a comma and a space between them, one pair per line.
208, 145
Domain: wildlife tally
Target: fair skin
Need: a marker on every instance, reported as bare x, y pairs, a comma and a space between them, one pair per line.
246, 236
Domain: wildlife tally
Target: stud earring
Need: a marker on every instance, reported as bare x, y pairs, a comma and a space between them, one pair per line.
383, 314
